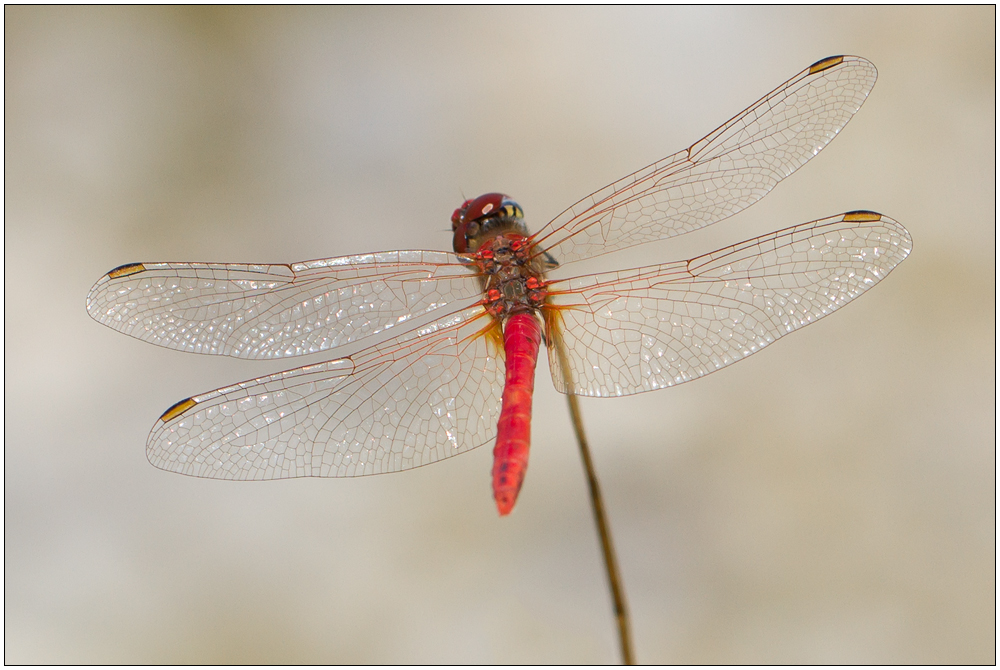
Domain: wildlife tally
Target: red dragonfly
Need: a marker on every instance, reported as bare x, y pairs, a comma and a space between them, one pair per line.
461, 331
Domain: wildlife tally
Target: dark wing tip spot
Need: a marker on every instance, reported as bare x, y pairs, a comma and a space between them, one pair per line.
177, 409
862, 216
825, 64
126, 270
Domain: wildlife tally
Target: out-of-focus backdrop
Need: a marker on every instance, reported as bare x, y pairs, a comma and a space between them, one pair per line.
829, 500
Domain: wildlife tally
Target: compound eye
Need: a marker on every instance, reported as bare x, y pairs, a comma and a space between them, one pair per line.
459, 243
488, 204
472, 229
459, 214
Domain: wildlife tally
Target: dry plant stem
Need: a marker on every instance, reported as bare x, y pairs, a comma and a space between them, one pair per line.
610, 562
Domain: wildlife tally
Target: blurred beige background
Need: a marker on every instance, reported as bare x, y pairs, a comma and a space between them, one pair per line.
830, 500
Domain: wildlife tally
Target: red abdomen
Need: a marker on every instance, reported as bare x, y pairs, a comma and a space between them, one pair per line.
521, 338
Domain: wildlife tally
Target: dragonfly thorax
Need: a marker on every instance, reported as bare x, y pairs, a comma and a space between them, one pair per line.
512, 275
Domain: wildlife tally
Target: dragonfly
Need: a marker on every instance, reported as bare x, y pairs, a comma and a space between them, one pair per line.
455, 336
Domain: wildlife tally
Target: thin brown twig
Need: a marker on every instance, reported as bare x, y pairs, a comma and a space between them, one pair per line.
597, 503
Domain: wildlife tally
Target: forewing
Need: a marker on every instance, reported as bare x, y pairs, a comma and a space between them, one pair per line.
649, 328
426, 395
721, 174
274, 311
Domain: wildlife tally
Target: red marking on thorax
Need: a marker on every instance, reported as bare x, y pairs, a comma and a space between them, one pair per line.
522, 336
511, 277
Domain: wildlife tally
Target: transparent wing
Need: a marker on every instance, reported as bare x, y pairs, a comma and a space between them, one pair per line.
648, 328
721, 174
428, 394
274, 311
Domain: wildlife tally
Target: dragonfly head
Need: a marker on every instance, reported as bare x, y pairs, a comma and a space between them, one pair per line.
483, 218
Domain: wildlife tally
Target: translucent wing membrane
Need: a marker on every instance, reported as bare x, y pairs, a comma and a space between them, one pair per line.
426, 395
727, 171
434, 391
272, 311
648, 328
